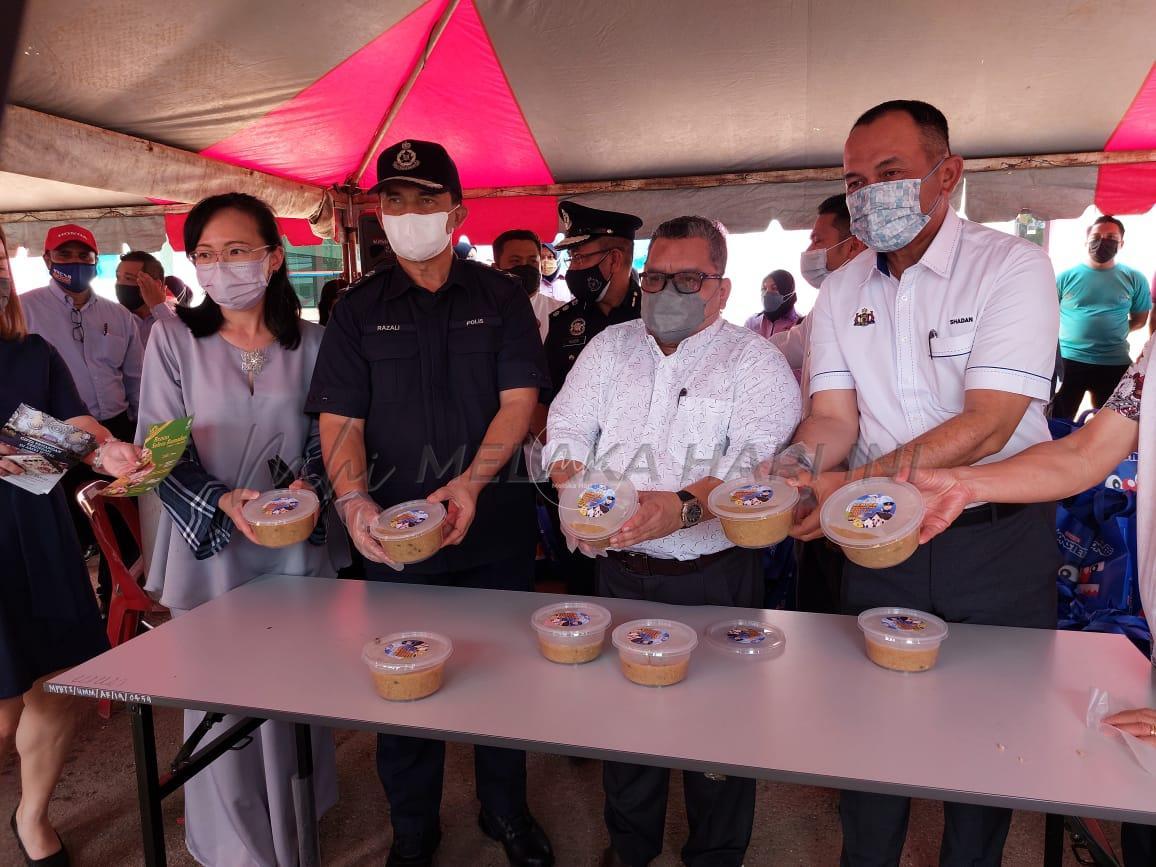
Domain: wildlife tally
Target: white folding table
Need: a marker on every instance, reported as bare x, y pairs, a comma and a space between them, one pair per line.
999, 721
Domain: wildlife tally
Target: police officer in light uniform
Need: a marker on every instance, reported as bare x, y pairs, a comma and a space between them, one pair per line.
425, 383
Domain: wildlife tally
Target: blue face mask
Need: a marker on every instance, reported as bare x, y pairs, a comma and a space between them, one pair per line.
887, 216
73, 276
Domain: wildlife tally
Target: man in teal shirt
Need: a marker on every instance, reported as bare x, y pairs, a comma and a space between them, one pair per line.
1101, 301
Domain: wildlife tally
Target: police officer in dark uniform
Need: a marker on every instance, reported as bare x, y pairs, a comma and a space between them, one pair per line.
600, 246
425, 383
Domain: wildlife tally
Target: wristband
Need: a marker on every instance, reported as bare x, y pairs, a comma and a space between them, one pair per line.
98, 455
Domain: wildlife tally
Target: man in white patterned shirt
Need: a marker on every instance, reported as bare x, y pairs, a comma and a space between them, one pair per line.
678, 401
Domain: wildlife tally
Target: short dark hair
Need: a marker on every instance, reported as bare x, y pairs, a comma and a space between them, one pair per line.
149, 263
509, 235
282, 306
1099, 221
836, 206
711, 231
931, 122
331, 293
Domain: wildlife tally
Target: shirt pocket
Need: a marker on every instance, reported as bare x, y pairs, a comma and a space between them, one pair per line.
394, 363
949, 357
109, 349
473, 350
698, 434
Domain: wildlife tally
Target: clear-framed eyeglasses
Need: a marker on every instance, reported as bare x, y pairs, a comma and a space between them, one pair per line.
230, 254
684, 282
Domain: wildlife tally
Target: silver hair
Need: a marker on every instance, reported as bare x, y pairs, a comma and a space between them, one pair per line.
711, 231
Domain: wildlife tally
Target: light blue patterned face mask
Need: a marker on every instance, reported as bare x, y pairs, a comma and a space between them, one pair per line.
887, 216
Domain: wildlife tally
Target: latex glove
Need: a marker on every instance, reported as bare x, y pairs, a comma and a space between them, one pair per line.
358, 512
573, 544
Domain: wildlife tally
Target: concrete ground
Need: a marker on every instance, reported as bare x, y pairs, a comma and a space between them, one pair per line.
96, 811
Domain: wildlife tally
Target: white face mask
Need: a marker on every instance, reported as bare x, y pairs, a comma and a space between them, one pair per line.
236, 285
417, 237
813, 263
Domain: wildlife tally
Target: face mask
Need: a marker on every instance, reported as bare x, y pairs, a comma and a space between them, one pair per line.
813, 264
5, 292
549, 270
417, 237
670, 316
528, 276
887, 216
73, 276
588, 284
774, 301
1103, 250
235, 286
129, 295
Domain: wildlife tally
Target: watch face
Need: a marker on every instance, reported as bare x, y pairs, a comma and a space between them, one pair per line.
691, 514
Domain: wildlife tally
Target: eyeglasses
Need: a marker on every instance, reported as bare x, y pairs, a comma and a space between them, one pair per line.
684, 282
62, 257
578, 261
77, 326
235, 253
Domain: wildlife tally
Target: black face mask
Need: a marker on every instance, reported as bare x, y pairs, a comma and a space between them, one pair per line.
129, 295
528, 275
1103, 249
588, 284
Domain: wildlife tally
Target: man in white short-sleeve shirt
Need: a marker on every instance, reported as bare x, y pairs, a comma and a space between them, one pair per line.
933, 348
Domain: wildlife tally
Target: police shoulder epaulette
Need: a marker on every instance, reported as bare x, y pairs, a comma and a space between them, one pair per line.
361, 281
564, 308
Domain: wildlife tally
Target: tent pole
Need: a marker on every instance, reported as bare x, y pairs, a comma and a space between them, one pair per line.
399, 100
796, 176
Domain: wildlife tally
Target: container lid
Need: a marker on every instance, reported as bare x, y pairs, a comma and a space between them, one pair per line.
281, 506
905, 627
408, 520
657, 638
595, 504
871, 512
571, 618
407, 652
749, 499
746, 637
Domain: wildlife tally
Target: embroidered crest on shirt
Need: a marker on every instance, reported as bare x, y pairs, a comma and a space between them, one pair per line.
864, 317
406, 159
577, 327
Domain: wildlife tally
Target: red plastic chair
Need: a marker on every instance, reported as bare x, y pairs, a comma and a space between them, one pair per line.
129, 603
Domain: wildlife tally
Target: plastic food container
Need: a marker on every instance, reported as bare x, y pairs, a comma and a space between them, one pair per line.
282, 517
407, 665
595, 504
410, 532
875, 521
571, 632
655, 652
902, 639
752, 639
754, 514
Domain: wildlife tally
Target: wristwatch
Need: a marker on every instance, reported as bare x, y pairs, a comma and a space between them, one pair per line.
691, 509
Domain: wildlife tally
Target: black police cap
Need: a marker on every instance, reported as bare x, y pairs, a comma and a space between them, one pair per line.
582, 224
424, 163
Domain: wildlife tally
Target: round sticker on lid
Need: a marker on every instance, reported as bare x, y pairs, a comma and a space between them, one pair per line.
568, 619
870, 511
905, 623
746, 635
596, 501
752, 495
647, 636
406, 648
280, 506
409, 519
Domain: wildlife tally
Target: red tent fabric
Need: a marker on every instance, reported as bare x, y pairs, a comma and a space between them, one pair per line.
1132, 189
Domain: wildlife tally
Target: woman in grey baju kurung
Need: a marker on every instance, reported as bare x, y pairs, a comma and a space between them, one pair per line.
239, 811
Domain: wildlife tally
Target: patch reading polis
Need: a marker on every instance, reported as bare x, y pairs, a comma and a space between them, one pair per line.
406, 159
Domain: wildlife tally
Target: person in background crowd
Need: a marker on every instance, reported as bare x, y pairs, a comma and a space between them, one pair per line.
778, 313
1063, 468
832, 246
179, 290
551, 271
1101, 301
330, 294
937, 347
463, 249
239, 363
518, 251
101, 343
48, 616
678, 383
141, 289
433, 368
